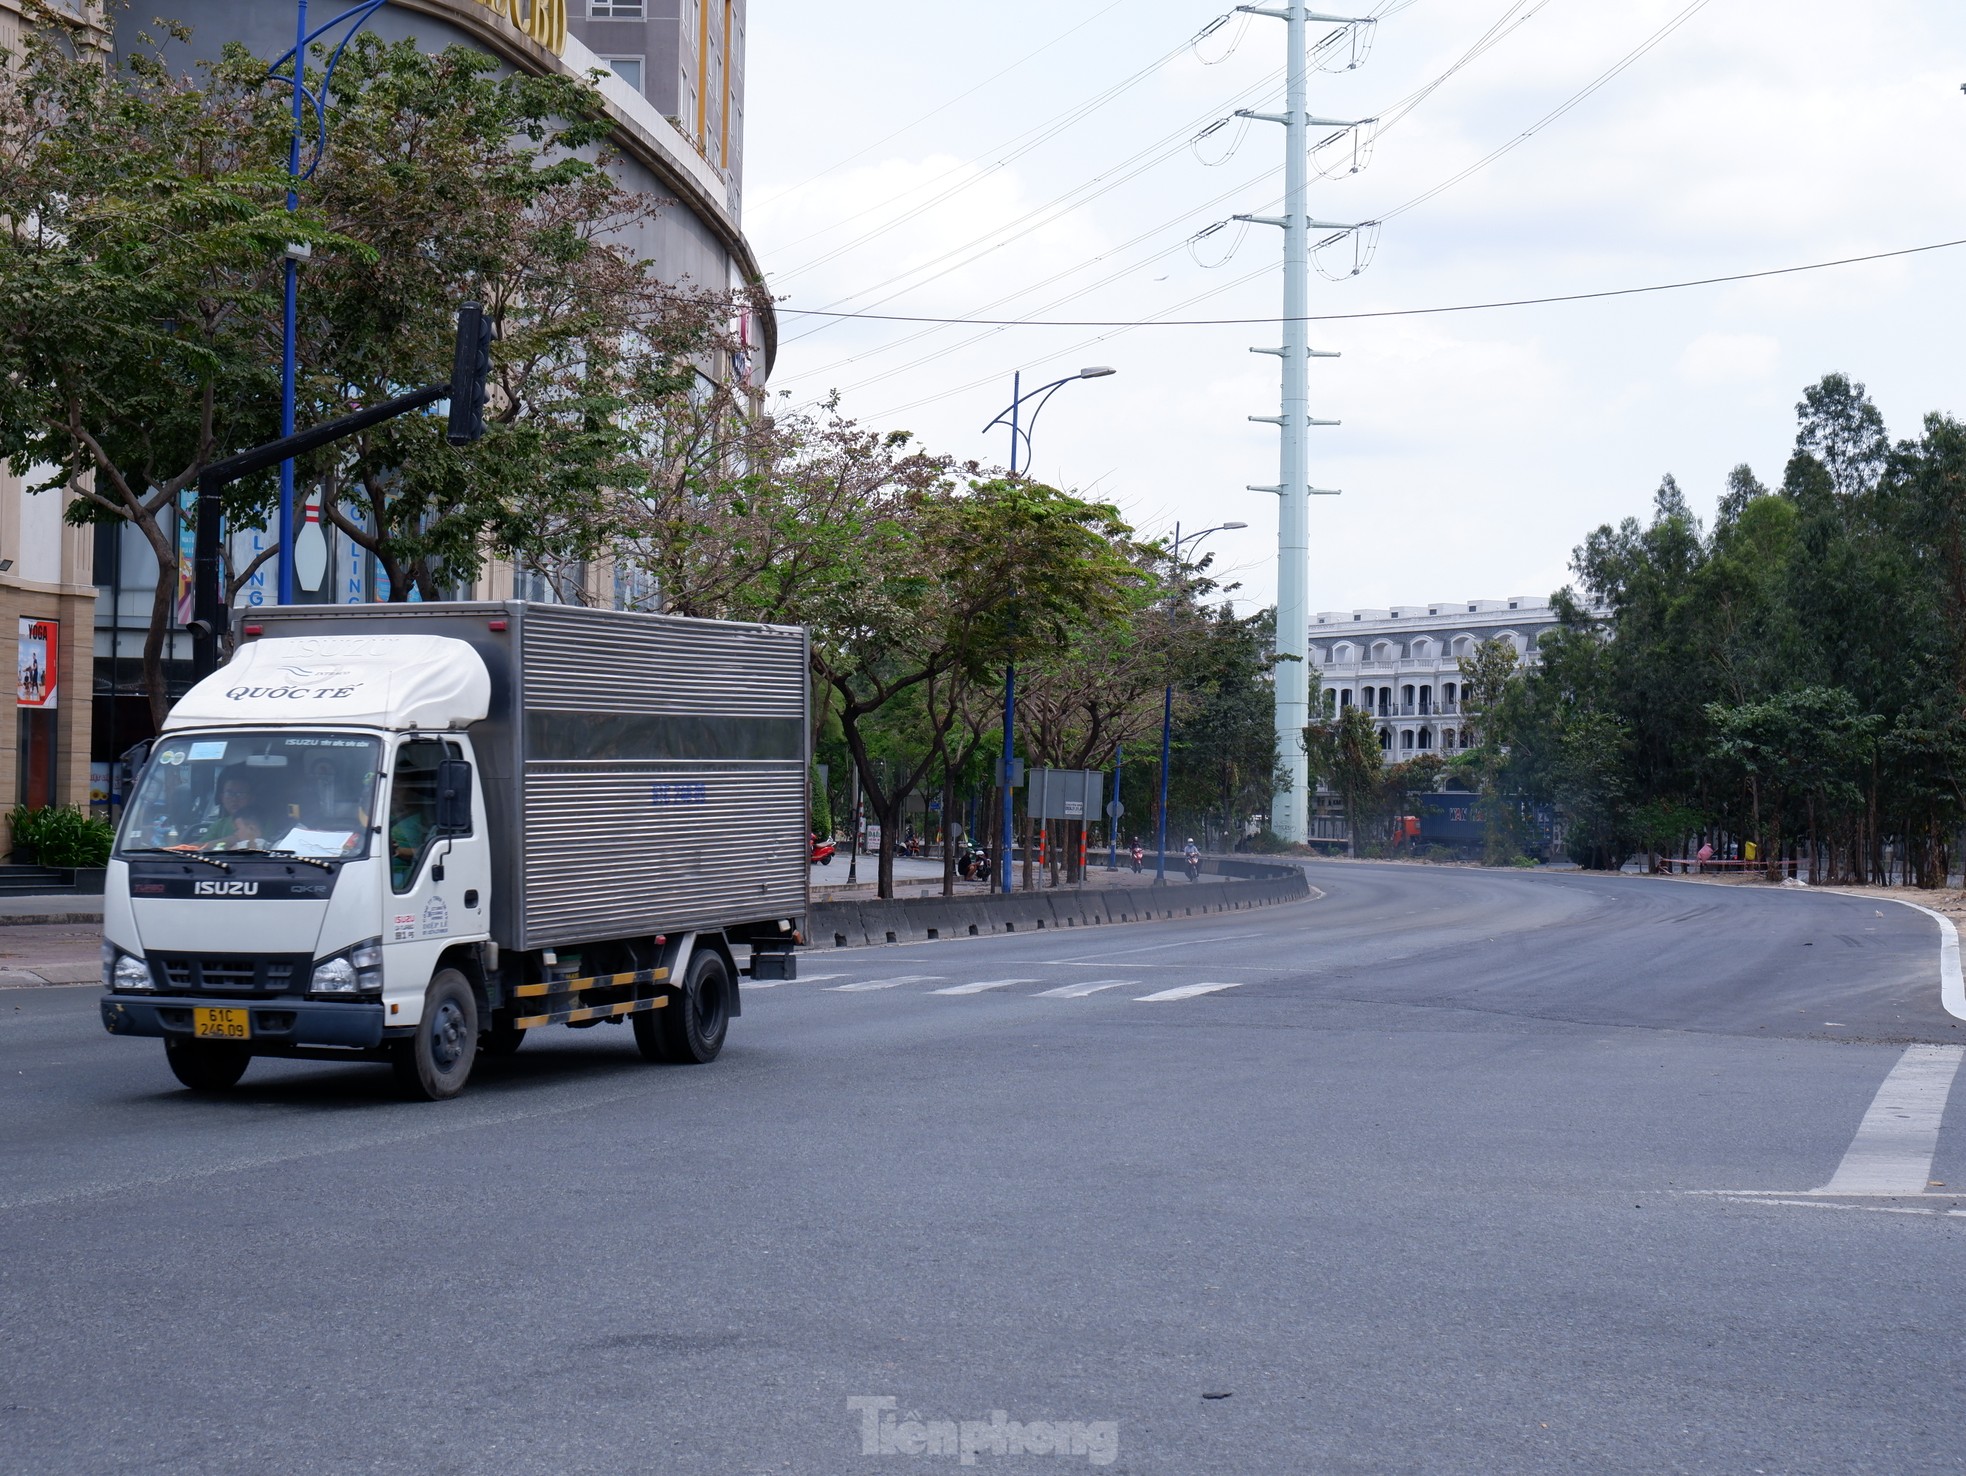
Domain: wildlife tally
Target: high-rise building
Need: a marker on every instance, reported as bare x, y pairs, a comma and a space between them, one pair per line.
687, 58
672, 82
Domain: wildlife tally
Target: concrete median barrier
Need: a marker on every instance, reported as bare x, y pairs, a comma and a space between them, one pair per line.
1234, 883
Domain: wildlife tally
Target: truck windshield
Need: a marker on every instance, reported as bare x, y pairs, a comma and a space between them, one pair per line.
302, 793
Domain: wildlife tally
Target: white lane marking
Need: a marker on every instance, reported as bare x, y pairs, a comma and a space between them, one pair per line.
1183, 991
1102, 963
867, 984
1080, 991
1892, 1152
750, 984
1952, 988
980, 985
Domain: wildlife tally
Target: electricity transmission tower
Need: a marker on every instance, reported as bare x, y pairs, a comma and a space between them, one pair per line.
1290, 809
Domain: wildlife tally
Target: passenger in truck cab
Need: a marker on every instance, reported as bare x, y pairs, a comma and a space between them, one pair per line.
234, 825
412, 815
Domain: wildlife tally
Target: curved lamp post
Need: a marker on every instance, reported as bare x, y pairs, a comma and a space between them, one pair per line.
1167, 697
354, 18
1020, 439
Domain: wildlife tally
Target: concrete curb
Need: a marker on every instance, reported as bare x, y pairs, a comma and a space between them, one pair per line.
1244, 884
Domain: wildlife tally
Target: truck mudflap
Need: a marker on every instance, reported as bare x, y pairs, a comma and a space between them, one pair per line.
271, 1026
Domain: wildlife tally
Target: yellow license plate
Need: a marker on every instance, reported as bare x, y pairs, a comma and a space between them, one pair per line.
221, 1024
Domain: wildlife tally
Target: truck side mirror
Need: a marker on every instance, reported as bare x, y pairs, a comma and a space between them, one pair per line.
454, 797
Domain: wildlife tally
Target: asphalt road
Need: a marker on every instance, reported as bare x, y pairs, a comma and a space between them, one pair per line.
1425, 1181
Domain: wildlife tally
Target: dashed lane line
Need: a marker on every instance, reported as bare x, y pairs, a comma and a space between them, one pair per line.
1080, 991
750, 984
1183, 991
981, 986
866, 984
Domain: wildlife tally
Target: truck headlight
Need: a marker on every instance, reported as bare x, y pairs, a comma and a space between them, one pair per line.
336, 976
125, 971
355, 972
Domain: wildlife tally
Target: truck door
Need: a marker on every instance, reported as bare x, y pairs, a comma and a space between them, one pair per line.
438, 878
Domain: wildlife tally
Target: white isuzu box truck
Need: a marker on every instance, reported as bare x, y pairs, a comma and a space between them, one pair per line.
409, 833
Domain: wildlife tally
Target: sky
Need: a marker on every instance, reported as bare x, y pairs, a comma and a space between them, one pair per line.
1034, 160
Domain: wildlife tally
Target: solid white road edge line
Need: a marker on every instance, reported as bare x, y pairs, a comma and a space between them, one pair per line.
1891, 1156
1952, 989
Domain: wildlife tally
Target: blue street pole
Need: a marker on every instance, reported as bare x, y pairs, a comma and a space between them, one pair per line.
1167, 700
1166, 730
288, 352
1009, 739
1113, 821
1020, 439
355, 17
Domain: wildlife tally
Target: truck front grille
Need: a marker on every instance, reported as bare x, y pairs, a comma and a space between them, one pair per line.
235, 974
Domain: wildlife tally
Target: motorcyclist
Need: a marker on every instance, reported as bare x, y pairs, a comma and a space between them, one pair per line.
1139, 855
1191, 858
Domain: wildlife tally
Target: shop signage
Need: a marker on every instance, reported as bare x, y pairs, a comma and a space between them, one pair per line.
39, 663
543, 20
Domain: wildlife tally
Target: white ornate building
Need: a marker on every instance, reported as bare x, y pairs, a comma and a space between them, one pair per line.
1402, 665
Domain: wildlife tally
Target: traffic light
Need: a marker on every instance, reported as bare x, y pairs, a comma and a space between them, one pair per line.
470, 366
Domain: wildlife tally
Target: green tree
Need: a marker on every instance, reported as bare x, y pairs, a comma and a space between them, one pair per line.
139, 285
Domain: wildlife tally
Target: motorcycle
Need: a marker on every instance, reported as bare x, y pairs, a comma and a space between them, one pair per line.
973, 865
1192, 865
1139, 857
822, 851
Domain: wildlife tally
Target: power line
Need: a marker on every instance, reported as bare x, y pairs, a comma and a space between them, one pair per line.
943, 108
1001, 157
1463, 307
1518, 12
1162, 317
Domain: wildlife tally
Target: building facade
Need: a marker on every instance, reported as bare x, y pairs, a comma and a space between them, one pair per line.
1403, 665
47, 604
671, 77
687, 58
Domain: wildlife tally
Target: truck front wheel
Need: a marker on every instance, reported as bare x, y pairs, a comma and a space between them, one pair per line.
436, 1062
206, 1065
690, 1028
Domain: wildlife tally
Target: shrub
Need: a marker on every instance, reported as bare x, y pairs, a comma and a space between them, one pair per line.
61, 835
1266, 842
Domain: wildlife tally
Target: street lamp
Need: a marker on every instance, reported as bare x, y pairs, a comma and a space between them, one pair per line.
1042, 393
1167, 697
355, 18
1021, 435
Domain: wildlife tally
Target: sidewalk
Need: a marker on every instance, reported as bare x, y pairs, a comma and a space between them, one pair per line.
56, 907
35, 954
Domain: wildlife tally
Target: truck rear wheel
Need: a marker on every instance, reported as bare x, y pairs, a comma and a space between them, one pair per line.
206, 1065
690, 1029
436, 1062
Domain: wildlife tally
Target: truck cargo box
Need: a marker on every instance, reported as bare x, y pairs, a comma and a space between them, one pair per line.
642, 774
